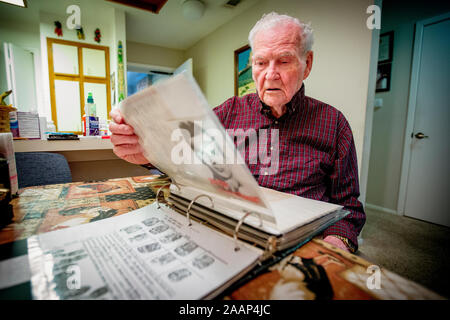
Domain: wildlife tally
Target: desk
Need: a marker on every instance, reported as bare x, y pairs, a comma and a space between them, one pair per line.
330, 272
91, 143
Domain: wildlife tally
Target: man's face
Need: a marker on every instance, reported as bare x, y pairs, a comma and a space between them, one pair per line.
277, 67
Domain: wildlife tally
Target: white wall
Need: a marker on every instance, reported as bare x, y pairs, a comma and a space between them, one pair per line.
24, 34
342, 49
389, 121
154, 55
21, 32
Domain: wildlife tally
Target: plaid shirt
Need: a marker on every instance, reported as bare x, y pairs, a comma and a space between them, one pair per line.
317, 157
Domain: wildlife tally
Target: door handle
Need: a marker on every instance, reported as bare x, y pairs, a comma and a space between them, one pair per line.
420, 135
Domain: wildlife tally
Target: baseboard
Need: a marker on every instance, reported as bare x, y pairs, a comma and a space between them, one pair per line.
382, 209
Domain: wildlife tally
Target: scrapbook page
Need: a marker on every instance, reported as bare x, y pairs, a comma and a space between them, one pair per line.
149, 253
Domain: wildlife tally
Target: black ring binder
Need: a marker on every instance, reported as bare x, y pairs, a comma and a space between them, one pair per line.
236, 230
161, 188
188, 216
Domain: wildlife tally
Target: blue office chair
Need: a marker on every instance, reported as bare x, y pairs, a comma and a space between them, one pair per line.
40, 168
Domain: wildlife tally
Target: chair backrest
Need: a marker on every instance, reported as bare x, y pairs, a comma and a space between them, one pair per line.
41, 168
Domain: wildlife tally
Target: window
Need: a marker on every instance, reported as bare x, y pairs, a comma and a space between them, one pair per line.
75, 70
137, 81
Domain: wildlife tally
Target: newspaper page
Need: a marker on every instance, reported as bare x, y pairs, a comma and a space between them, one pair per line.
182, 136
149, 253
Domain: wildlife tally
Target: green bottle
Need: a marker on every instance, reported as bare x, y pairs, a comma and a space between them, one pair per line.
91, 107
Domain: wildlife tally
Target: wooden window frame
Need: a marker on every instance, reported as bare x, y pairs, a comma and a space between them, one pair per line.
80, 77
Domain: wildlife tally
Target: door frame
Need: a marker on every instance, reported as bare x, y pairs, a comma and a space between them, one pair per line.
367, 141
10, 75
412, 100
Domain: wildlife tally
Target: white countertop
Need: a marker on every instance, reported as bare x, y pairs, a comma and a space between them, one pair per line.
90, 143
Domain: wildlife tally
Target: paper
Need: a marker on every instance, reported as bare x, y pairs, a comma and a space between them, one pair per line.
291, 211
14, 271
149, 253
28, 125
183, 138
7, 152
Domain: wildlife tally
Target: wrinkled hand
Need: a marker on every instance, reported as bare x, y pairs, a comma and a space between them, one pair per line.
336, 242
125, 141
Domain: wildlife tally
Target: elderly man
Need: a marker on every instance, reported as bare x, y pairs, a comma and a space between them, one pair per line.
317, 154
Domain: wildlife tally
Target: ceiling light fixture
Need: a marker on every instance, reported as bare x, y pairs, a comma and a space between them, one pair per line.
19, 3
193, 9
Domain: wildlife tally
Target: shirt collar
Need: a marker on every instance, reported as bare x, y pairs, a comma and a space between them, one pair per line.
292, 106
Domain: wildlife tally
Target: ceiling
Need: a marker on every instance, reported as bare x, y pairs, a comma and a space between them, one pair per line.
170, 29
167, 29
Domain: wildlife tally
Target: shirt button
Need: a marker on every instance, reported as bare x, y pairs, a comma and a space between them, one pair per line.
271, 148
265, 173
276, 122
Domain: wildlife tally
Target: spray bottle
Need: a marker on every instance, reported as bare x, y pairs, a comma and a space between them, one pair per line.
90, 120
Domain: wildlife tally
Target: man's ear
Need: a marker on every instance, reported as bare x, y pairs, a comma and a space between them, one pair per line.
309, 62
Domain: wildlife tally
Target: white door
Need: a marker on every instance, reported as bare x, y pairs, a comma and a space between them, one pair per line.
428, 186
20, 77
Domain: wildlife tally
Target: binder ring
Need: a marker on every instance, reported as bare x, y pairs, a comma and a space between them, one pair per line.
188, 214
161, 188
236, 230
271, 245
269, 249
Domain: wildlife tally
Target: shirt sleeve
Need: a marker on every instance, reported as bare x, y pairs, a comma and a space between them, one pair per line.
344, 187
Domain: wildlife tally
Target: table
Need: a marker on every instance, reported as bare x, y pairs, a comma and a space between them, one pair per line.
52, 207
316, 270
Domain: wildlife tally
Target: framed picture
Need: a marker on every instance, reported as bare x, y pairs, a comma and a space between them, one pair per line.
385, 49
383, 77
243, 81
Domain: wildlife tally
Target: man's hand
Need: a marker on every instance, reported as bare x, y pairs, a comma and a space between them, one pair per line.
125, 141
336, 242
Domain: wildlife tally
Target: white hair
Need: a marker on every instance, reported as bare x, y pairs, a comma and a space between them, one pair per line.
270, 20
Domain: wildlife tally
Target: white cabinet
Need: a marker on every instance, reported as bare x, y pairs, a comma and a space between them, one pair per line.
68, 111
94, 62
65, 59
